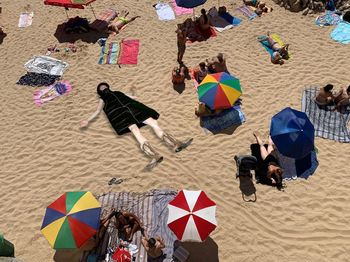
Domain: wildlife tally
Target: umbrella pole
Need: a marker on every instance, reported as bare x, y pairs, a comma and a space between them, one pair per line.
93, 11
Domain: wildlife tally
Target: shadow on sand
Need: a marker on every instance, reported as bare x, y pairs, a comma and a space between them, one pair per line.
2, 37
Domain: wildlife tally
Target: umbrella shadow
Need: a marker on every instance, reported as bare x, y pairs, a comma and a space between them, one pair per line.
227, 131
207, 251
88, 37
64, 255
2, 37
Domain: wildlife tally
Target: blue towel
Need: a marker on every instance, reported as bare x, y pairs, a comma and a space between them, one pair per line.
227, 118
229, 18
266, 45
341, 33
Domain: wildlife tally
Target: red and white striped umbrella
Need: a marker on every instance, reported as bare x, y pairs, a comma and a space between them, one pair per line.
192, 215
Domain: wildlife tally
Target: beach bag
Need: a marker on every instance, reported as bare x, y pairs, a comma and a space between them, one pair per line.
247, 162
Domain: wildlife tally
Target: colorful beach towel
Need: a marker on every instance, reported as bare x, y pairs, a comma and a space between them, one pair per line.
233, 116
267, 47
129, 51
328, 123
329, 18
109, 53
216, 21
151, 208
25, 19
247, 11
231, 19
164, 12
51, 92
341, 33
180, 10
46, 65
104, 19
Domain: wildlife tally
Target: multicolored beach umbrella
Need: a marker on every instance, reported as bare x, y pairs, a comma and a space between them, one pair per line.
71, 220
69, 3
219, 91
192, 215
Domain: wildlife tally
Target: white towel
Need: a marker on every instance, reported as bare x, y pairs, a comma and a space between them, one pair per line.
164, 11
25, 19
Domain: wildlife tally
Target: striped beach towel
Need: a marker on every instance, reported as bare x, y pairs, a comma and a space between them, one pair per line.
129, 51
328, 123
151, 208
247, 11
109, 53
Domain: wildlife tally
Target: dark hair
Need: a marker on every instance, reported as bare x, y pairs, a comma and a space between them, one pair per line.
202, 65
277, 176
203, 12
99, 91
328, 88
117, 214
348, 89
151, 242
220, 57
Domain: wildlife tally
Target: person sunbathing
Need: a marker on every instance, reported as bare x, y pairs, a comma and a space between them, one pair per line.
272, 167
178, 75
325, 95
153, 247
128, 115
217, 64
279, 52
115, 26
127, 224
203, 21
342, 98
200, 72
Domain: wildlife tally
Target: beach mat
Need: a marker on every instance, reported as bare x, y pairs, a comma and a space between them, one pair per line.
267, 47
292, 168
180, 10
103, 19
327, 123
109, 53
216, 21
151, 208
35, 79
129, 51
25, 19
328, 19
231, 19
247, 11
164, 12
49, 93
341, 33
46, 65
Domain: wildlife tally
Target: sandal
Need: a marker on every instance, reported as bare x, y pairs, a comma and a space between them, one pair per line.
115, 181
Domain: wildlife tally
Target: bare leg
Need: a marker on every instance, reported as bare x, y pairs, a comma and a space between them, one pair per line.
133, 230
263, 151
270, 148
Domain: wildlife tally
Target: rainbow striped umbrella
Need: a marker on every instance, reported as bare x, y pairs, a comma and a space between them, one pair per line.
219, 91
71, 220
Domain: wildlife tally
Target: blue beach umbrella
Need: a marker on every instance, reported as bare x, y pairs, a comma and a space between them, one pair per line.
189, 3
292, 133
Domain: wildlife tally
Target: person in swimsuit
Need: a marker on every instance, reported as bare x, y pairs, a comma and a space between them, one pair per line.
342, 98
217, 64
178, 75
127, 115
200, 72
127, 224
153, 247
204, 23
121, 21
279, 52
181, 43
325, 95
273, 170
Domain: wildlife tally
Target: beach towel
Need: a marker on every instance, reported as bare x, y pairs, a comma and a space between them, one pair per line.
292, 168
49, 93
25, 19
151, 208
341, 33
129, 51
267, 47
35, 79
104, 19
327, 123
197, 35
231, 19
109, 53
247, 11
329, 18
233, 116
180, 10
46, 65
164, 11
216, 21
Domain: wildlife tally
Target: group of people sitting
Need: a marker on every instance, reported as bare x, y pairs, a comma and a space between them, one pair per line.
326, 97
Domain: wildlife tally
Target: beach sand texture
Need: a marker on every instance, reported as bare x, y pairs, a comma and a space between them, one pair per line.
44, 153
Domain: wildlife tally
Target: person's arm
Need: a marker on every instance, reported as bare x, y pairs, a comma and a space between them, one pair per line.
86, 122
144, 243
161, 242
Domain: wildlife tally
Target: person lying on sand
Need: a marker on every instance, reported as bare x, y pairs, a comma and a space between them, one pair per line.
273, 170
153, 246
325, 95
342, 98
279, 52
115, 26
217, 64
178, 75
128, 115
200, 72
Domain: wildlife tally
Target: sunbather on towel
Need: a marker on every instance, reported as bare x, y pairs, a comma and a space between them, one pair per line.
325, 95
122, 20
342, 98
178, 75
191, 33
272, 168
260, 7
153, 246
279, 52
217, 64
127, 115
200, 72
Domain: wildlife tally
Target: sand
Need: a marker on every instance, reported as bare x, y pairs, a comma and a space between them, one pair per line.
44, 153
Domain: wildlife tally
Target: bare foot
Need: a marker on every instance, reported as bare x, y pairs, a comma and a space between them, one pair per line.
258, 140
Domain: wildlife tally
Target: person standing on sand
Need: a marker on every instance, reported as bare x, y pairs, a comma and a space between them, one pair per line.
181, 44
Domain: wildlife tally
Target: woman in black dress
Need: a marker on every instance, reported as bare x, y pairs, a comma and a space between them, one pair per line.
128, 115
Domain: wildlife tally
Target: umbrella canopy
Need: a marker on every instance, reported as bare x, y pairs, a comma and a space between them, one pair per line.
189, 3
71, 220
192, 215
292, 133
69, 3
219, 91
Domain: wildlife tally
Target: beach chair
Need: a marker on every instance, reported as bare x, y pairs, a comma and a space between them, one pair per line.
180, 254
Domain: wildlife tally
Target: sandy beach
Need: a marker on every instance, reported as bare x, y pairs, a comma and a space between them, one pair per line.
44, 153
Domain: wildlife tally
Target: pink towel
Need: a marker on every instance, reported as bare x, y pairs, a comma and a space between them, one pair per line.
129, 51
181, 10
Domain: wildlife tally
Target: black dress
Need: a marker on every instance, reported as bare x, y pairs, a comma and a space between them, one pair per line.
123, 111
